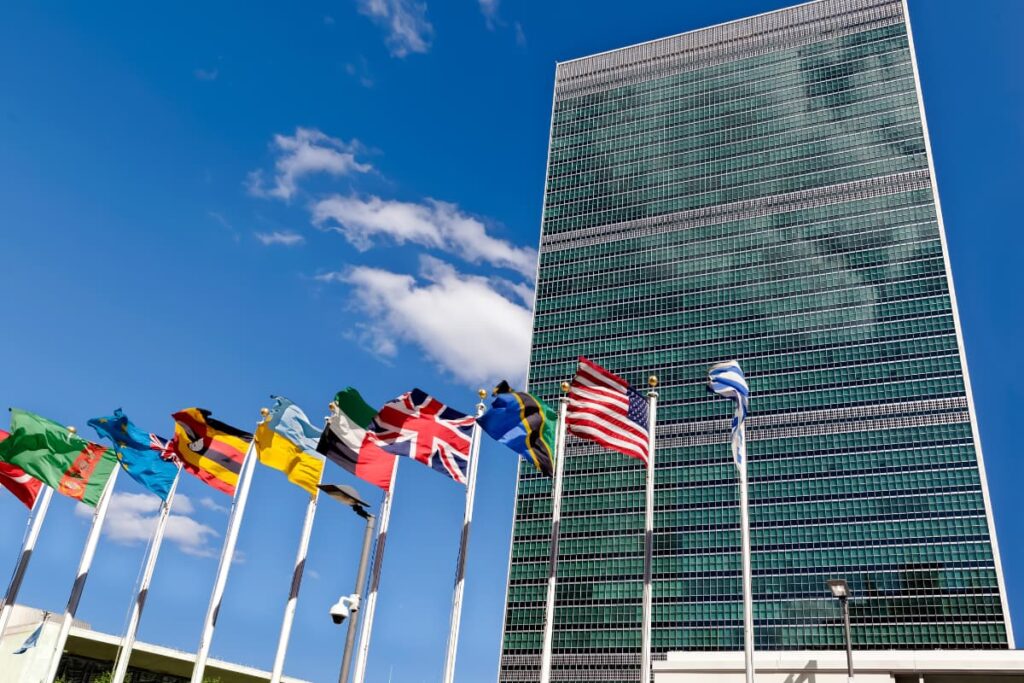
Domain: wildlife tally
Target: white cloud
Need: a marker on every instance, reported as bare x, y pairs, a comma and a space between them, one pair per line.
211, 504
308, 151
520, 35
132, 517
461, 322
406, 23
285, 237
432, 223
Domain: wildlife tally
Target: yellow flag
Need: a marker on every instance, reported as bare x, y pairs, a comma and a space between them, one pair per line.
302, 468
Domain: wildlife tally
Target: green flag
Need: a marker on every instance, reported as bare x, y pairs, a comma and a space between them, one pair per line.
62, 460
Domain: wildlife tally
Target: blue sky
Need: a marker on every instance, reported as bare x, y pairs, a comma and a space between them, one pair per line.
204, 205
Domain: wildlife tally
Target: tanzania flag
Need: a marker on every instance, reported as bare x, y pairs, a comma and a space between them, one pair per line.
210, 449
142, 454
287, 441
14, 479
342, 441
49, 452
525, 424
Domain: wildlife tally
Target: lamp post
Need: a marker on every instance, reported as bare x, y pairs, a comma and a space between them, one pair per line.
841, 591
347, 495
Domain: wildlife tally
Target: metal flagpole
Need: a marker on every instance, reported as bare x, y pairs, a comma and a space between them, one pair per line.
226, 556
128, 642
366, 631
460, 572
727, 379
748, 600
35, 523
83, 573
556, 518
652, 421
293, 593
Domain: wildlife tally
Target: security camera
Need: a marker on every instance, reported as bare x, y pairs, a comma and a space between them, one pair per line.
346, 605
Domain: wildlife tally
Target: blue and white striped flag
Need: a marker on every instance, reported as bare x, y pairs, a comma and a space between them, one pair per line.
727, 379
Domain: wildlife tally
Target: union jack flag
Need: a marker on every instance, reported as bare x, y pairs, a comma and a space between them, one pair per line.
418, 426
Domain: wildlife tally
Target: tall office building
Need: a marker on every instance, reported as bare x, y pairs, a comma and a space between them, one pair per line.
763, 191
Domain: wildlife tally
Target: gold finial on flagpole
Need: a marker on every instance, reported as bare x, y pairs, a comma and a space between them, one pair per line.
482, 394
652, 381
265, 413
565, 387
72, 429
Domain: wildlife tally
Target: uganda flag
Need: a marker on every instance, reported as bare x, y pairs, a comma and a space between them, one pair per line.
525, 424
59, 458
210, 449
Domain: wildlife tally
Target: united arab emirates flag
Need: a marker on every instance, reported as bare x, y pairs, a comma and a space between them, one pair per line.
344, 444
47, 451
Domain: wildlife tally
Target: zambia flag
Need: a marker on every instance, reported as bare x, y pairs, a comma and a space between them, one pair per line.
210, 449
343, 440
525, 424
60, 459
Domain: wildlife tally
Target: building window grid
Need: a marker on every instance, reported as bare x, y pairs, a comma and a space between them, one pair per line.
833, 444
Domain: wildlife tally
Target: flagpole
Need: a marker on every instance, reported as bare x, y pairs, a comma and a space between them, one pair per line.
366, 631
128, 642
652, 421
84, 564
293, 593
226, 556
460, 571
748, 602
35, 523
556, 518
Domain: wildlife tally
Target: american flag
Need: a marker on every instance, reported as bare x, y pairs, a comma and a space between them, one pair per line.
418, 426
604, 408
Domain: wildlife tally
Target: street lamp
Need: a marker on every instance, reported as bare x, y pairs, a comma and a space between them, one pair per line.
841, 591
346, 495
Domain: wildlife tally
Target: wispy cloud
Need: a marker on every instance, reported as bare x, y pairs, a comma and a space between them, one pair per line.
489, 8
433, 223
206, 74
210, 504
360, 71
406, 23
131, 519
461, 322
520, 34
306, 152
286, 238
224, 223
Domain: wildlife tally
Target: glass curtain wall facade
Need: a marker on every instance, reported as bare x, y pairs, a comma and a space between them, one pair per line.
761, 191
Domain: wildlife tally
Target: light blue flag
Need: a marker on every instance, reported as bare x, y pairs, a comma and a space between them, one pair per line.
31, 641
288, 420
727, 379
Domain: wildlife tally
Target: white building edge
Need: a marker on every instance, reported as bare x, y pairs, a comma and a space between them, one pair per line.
31, 666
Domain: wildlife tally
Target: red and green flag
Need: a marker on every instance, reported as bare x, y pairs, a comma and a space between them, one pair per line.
57, 457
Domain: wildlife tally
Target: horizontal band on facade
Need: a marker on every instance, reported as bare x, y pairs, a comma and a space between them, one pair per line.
744, 209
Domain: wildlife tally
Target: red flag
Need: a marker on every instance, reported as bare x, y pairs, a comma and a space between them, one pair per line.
17, 482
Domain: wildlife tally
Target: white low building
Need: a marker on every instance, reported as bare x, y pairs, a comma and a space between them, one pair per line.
870, 666
88, 652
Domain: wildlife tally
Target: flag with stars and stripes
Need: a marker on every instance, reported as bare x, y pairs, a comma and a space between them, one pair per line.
727, 380
605, 409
